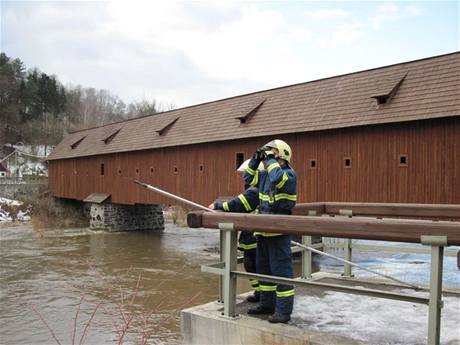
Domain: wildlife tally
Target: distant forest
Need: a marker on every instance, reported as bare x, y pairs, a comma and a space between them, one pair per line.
36, 109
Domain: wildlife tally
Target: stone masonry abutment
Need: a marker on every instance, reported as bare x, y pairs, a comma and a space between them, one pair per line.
115, 217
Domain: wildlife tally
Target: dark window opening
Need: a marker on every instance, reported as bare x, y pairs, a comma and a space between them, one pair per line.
347, 162
167, 127
151, 170
112, 135
175, 170
403, 162
119, 171
239, 159
201, 168
86, 172
385, 95
76, 143
137, 170
102, 169
312, 163
248, 113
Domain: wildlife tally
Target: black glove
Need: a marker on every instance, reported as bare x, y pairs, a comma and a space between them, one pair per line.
269, 154
258, 155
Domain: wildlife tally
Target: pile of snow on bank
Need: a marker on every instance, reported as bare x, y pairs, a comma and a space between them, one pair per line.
10, 210
375, 320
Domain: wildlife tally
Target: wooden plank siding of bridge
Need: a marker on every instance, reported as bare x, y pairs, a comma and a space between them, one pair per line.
388, 134
432, 148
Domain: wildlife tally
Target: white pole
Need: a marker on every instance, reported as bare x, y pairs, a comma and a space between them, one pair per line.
165, 193
353, 264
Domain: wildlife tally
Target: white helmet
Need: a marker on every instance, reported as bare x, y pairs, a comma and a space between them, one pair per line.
284, 150
245, 164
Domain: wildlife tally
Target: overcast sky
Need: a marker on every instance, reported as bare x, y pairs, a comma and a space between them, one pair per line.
193, 52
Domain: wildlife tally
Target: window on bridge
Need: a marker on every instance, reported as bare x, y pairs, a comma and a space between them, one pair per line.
403, 161
239, 159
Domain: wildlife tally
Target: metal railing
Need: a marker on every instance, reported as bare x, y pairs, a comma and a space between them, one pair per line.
228, 273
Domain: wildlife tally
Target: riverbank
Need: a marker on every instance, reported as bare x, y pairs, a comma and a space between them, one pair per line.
14, 212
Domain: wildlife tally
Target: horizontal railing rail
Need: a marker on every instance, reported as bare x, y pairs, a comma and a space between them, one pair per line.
395, 230
426, 211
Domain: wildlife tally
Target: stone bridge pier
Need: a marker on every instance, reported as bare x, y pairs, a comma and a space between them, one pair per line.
116, 217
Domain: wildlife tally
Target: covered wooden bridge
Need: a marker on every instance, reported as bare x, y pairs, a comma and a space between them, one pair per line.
390, 134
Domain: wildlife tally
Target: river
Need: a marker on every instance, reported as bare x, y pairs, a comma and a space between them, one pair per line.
78, 286
70, 275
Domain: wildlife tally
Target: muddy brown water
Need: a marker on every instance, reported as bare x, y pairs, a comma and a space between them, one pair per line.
69, 277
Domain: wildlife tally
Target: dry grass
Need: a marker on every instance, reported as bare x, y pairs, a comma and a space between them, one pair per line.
177, 215
51, 213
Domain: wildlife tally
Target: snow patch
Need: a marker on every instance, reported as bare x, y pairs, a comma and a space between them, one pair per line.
9, 202
10, 211
376, 320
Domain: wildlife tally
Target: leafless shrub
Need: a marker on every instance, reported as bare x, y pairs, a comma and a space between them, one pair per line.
178, 215
123, 314
50, 213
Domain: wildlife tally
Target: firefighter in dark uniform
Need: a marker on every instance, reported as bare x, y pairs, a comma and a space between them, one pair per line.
277, 186
246, 202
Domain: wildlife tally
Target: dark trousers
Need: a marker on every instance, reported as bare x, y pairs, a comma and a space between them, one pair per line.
274, 257
249, 262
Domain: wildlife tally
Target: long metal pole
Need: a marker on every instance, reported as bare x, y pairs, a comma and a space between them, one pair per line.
353, 264
165, 193
158, 190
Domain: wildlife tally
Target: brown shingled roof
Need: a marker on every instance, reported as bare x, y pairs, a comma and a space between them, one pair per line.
430, 90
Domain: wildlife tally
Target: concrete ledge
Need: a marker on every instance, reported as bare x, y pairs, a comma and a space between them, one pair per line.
204, 324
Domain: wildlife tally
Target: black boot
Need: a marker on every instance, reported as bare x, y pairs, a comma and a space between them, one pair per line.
259, 310
253, 298
279, 318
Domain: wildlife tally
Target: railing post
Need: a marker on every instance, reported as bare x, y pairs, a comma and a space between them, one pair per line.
221, 259
230, 260
347, 252
437, 244
306, 258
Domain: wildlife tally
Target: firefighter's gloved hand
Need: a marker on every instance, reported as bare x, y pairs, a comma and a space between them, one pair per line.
258, 155
268, 154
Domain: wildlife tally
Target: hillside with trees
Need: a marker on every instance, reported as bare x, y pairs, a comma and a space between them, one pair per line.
37, 109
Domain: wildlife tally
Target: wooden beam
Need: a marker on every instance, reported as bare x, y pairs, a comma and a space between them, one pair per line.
398, 230
396, 210
195, 219
430, 211
306, 209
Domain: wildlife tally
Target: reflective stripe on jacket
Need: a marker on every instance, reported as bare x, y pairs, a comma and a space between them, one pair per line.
246, 202
277, 187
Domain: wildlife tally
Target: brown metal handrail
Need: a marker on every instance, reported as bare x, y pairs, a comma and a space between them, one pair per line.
398, 230
427, 211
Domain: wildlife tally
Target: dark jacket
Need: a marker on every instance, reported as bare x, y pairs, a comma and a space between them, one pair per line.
277, 186
246, 202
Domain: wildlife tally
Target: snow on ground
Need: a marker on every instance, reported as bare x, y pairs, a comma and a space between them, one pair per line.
5, 216
410, 267
9, 202
376, 320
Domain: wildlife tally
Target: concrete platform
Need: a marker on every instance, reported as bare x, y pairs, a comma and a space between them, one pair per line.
205, 324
